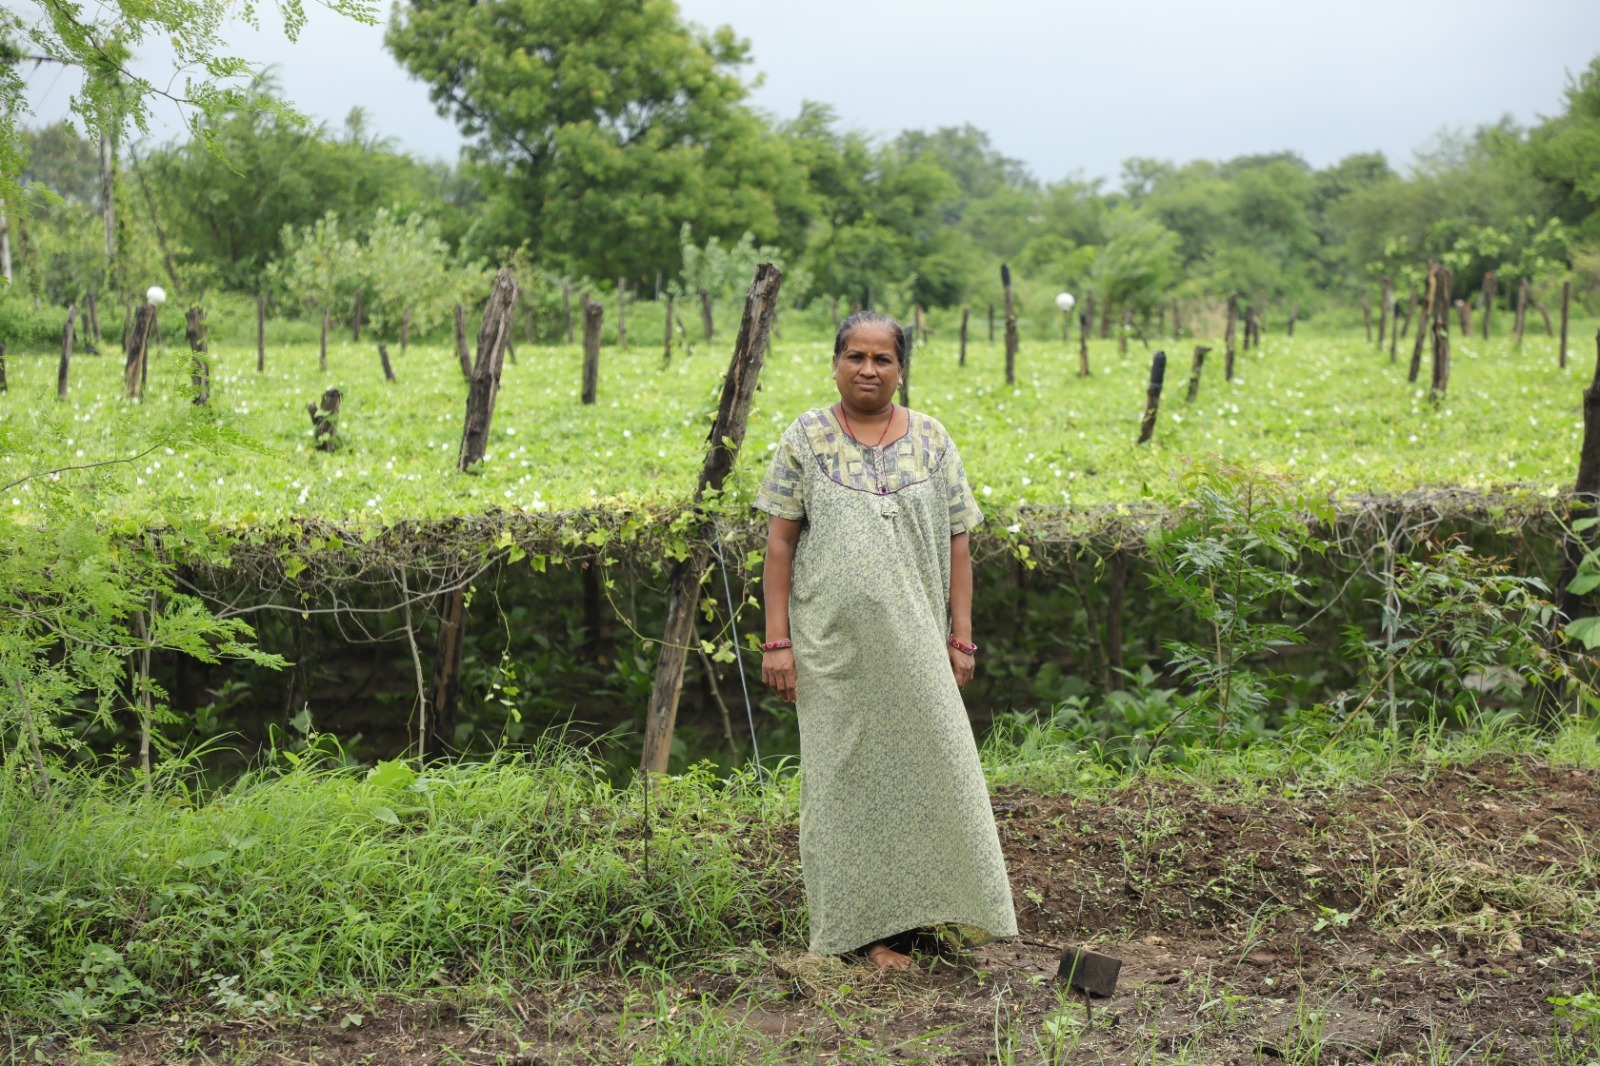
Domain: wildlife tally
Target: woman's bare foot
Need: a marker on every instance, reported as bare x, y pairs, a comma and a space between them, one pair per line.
886, 958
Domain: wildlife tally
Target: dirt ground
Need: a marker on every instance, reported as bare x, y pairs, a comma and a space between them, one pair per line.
1410, 921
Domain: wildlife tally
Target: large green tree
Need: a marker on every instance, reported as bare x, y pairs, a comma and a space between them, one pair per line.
600, 127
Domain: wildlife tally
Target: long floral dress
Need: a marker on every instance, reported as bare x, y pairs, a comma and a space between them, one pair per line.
896, 832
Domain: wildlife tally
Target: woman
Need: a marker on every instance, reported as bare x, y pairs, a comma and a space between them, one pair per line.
868, 586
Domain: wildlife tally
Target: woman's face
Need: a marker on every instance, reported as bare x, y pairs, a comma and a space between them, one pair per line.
868, 371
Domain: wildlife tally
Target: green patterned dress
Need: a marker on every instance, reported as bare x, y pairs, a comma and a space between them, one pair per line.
896, 832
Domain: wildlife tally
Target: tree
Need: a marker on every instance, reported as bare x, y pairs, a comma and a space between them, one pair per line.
1565, 153
600, 127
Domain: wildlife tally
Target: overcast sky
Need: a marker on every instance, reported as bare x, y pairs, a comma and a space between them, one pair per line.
1067, 87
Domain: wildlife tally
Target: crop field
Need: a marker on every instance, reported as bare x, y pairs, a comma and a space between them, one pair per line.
1332, 410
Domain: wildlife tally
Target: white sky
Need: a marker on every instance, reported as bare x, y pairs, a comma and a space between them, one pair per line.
1066, 86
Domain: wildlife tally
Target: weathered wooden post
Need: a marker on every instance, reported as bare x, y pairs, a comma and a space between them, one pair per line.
593, 318
1294, 315
666, 342
88, 334
4, 388
705, 315
991, 322
134, 374
1200, 352
1424, 318
961, 360
325, 421
65, 366
462, 355
566, 305
1011, 325
1441, 336
1152, 396
1385, 311
1394, 326
727, 434
622, 313
1490, 290
905, 371
200, 366
383, 357
1227, 337
1084, 319
1566, 307
1544, 315
355, 321
1522, 309
1464, 316
1249, 326
1366, 314
1585, 496
261, 333
322, 349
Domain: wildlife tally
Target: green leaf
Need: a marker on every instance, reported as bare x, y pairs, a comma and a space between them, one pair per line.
1586, 631
203, 858
294, 566
391, 773
1584, 582
385, 815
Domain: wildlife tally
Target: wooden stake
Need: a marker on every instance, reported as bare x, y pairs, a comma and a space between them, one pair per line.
566, 305
1586, 496
4, 388
322, 350
1394, 325
325, 421
1441, 336
200, 366
1083, 336
705, 315
1566, 306
1294, 315
1490, 290
64, 368
1227, 337
355, 321
1544, 314
1249, 327
493, 336
962, 358
462, 355
727, 434
905, 369
1200, 351
1522, 309
134, 374
86, 333
383, 357
261, 334
622, 313
991, 323
1152, 398
1366, 314
1464, 316
666, 342
1424, 320
1011, 325
1385, 312
593, 318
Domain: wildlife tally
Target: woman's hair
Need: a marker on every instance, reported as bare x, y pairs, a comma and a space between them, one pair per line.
869, 318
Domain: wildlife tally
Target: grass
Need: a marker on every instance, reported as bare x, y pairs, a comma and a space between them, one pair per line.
1331, 409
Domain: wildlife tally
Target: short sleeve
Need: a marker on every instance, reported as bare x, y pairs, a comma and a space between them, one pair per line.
964, 513
782, 493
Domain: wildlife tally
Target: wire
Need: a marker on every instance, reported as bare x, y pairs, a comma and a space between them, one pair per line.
733, 623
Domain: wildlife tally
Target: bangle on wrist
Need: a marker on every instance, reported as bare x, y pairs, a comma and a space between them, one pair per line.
777, 645
965, 647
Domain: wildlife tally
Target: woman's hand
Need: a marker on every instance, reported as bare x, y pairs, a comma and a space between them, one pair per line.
777, 670
962, 664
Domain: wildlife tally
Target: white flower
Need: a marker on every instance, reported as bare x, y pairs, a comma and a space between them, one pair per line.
156, 295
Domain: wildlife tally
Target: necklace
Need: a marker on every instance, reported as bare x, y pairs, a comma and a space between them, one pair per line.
851, 430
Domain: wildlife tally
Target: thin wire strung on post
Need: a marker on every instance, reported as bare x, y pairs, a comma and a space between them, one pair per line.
733, 625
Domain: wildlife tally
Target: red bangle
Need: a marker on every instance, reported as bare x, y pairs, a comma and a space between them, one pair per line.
963, 647
777, 645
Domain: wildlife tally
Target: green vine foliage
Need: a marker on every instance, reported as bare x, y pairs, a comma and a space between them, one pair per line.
1231, 559
85, 602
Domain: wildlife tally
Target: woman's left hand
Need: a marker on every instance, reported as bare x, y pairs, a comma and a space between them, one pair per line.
962, 664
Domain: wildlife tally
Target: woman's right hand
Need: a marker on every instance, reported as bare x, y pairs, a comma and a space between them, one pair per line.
777, 670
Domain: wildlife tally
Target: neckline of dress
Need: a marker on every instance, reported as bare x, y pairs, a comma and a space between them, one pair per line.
834, 414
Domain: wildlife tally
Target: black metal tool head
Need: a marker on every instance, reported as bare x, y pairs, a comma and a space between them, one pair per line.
1088, 972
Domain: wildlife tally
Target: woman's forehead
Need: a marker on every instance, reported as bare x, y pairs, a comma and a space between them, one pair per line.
870, 337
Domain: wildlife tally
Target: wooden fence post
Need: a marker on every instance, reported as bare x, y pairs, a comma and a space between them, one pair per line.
1464, 316
462, 355
199, 366
1441, 336
1366, 314
1200, 351
666, 342
134, 374
727, 434
1394, 325
991, 323
1227, 337
1522, 309
1544, 315
705, 315
962, 358
261, 333
622, 313
1249, 326
1385, 312
383, 357
1490, 290
322, 350
85, 332
1011, 325
1424, 318
355, 321
1585, 497
1152, 396
492, 338
1084, 320
4, 388
593, 318
64, 368
1566, 306
905, 370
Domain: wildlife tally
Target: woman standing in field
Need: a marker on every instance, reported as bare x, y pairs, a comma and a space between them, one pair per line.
868, 585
